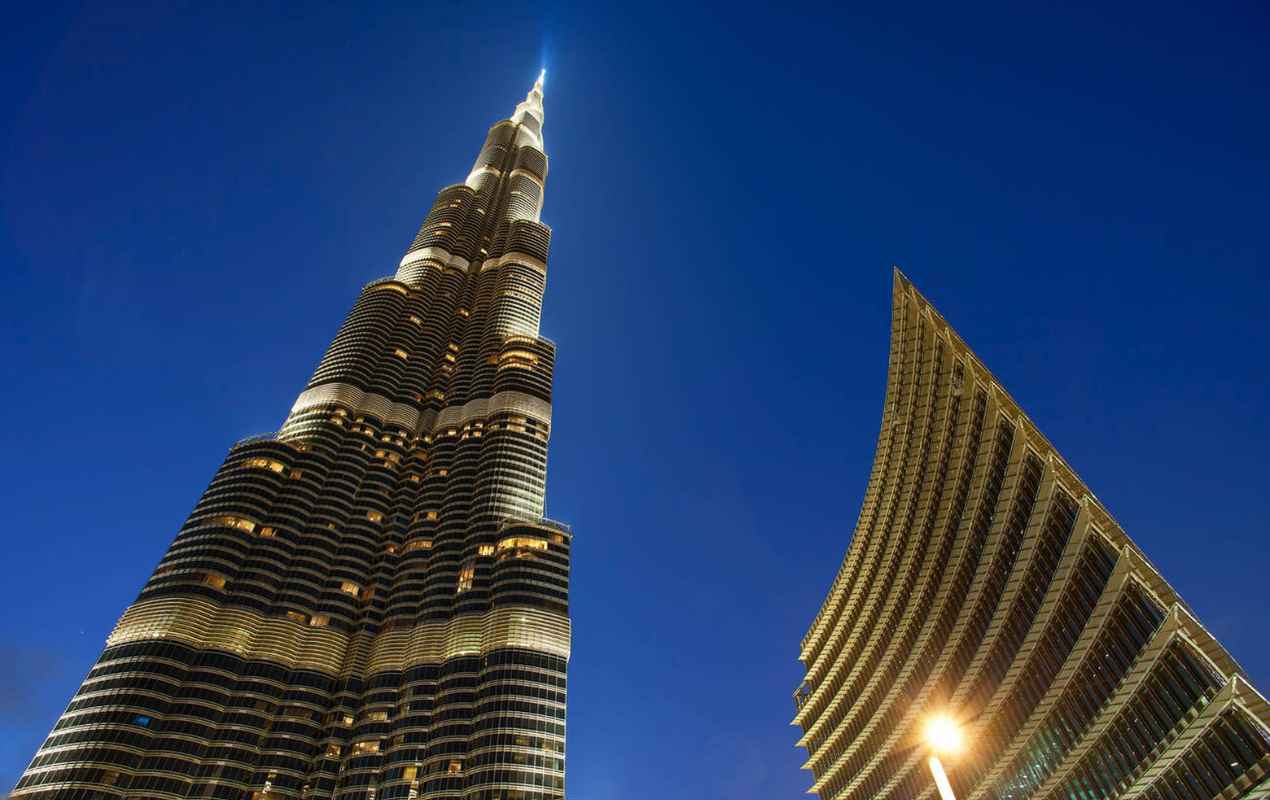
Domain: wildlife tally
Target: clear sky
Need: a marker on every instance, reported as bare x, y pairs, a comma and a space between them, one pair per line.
192, 198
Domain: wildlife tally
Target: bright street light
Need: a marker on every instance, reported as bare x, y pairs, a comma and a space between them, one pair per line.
943, 735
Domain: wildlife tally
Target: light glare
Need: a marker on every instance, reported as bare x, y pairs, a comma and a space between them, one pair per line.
943, 734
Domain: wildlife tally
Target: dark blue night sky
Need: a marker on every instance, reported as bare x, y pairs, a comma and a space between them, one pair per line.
191, 199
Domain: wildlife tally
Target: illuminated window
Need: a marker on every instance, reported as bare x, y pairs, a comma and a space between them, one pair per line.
348, 587
463, 312
455, 768
240, 523
518, 542
296, 616
449, 357
377, 716
374, 516
415, 478
347, 720
485, 550
319, 621
557, 538
415, 320
431, 516
297, 474
402, 354
517, 359
267, 532
332, 751
370, 746
390, 548
409, 773
465, 577
435, 393
213, 580
418, 544
265, 463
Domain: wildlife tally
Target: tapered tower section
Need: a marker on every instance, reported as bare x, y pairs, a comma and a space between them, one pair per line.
368, 604
986, 582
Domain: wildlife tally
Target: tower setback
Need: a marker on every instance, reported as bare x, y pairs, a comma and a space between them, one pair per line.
368, 604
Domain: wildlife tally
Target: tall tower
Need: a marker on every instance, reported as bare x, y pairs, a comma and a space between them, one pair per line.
367, 604
985, 582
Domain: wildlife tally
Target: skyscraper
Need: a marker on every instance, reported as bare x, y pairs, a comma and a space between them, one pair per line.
368, 603
986, 582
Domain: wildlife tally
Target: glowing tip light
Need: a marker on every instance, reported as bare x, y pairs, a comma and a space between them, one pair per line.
542, 76
943, 735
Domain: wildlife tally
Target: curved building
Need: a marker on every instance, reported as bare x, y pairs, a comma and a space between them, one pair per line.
986, 582
367, 603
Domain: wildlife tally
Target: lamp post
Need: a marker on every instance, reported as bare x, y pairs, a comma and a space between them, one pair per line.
943, 735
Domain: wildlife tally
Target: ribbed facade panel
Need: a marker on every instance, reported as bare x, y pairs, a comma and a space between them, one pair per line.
984, 580
368, 603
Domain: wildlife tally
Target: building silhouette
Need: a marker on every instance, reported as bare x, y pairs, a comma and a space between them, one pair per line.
368, 603
986, 582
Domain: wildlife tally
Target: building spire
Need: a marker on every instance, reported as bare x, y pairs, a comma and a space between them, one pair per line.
522, 129
531, 106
